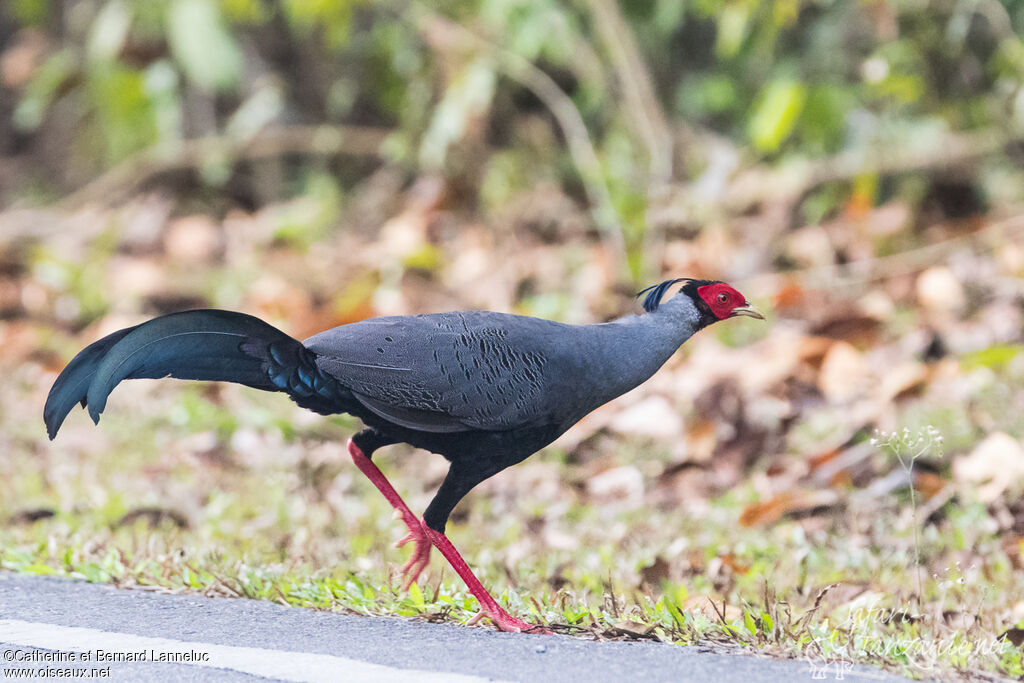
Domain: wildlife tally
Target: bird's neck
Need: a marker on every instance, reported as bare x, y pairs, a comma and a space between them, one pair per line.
625, 352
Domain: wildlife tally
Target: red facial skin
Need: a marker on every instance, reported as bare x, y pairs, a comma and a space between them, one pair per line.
721, 298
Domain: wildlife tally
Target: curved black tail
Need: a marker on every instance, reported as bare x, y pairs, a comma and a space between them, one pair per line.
203, 345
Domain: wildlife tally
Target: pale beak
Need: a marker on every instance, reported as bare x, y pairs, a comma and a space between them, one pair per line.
748, 311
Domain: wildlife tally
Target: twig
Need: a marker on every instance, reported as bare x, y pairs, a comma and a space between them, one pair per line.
805, 620
271, 142
720, 612
570, 121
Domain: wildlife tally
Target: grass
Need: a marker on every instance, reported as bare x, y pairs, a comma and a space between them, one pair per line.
230, 492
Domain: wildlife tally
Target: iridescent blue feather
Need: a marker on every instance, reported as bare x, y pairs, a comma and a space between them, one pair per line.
656, 292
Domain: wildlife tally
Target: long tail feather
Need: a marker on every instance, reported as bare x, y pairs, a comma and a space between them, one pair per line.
73, 383
200, 345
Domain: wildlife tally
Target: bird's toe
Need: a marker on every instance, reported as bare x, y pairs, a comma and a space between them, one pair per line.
504, 621
420, 558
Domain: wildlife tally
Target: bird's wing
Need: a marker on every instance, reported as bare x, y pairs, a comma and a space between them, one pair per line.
447, 372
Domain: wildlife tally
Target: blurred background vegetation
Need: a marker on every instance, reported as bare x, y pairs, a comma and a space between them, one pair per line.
853, 167
641, 112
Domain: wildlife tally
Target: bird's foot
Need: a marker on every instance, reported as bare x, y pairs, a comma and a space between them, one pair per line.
412, 569
489, 607
506, 622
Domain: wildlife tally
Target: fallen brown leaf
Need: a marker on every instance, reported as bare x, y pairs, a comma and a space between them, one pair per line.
786, 503
850, 326
928, 483
995, 466
844, 373
902, 382
656, 572
1014, 635
633, 629
735, 564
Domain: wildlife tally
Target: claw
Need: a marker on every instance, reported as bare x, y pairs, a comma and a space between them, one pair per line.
417, 530
420, 558
413, 568
506, 622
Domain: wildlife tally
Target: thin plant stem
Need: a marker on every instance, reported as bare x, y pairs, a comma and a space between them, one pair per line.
908, 448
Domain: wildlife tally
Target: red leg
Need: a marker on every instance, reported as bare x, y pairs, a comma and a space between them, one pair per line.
489, 607
423, 536
421, 544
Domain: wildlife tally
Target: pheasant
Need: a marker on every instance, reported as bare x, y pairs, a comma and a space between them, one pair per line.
485, 390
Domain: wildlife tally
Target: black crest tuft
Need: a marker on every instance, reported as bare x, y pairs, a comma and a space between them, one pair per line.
656, 292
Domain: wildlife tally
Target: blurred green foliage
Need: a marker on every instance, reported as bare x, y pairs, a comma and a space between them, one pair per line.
782, 77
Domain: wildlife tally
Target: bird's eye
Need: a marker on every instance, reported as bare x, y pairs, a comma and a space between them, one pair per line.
723, 297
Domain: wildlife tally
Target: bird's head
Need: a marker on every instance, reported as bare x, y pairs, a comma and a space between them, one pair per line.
713, 300
724, 301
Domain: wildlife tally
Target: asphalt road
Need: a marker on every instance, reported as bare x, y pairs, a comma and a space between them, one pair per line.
51, 626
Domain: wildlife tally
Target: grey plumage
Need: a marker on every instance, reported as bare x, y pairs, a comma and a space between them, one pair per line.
458, 372
485, 390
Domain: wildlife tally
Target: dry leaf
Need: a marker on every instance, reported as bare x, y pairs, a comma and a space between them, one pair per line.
995, 466
1011, 258
624, 485
902, 382
850, 325
19, 340
192, 239
928, 483
786, 503
816, 461
735, 564
701, 439
133, 276
1014, 635
274, 298
938, 289
633, 629
653, 417
812, 350
811, 246
844, 373
789, 296
656, 572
